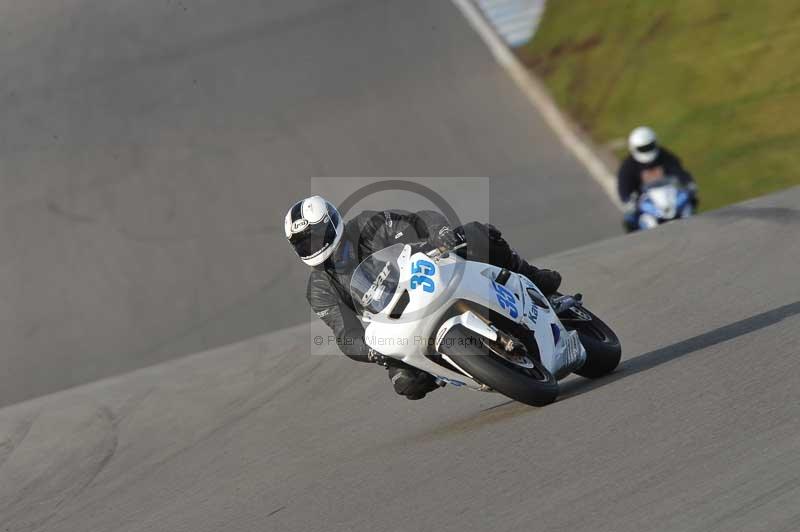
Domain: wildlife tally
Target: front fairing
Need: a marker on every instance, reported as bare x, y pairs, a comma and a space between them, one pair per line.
427, 290
661, 202
666, 200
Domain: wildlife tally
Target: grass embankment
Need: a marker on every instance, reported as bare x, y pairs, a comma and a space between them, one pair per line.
719, 80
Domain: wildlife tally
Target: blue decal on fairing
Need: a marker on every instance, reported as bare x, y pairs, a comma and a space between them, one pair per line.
506, 299
556, 333
422, 269
533, 313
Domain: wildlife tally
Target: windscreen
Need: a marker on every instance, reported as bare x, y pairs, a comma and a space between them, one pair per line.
375, 280
666, 181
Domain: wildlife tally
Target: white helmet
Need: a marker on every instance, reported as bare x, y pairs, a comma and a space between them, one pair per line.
314, 228
643, 145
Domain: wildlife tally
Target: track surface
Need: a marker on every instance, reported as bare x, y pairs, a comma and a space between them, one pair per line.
148, 153
150, 148
699, 429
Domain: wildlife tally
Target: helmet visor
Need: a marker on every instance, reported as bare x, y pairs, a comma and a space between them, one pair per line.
647, 148
315, 238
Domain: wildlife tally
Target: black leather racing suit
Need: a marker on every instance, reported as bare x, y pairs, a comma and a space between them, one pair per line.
371, 231
629, 177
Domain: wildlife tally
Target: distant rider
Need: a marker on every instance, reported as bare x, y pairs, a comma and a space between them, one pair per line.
648, 162
333, 249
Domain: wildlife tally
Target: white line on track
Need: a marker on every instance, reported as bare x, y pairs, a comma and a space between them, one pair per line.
538, 96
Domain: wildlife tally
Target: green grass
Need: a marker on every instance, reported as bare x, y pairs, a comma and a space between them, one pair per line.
719, 80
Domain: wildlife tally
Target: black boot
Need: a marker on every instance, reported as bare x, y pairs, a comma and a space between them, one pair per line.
412, 383
548, 281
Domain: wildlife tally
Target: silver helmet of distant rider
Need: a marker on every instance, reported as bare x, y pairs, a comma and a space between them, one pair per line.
643, 145
314, 229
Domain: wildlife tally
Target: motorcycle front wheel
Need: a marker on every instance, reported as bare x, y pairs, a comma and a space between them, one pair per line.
532, 385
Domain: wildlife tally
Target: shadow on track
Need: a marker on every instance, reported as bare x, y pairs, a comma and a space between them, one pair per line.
508, 410
691, 345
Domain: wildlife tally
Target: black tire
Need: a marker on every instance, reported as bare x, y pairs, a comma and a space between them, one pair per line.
535, 387
603, 350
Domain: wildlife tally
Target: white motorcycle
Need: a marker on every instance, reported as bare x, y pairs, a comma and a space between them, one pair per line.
477, 326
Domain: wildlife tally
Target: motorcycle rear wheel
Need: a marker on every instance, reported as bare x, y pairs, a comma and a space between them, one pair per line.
603, 350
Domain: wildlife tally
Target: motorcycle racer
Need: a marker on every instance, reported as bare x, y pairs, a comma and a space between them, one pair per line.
648, 162
333, 248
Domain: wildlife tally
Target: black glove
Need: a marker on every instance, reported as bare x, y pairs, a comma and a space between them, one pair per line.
377, 358
548, 281
632, 204
446, 239
693, 191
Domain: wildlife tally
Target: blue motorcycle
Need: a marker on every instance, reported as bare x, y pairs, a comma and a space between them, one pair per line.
663, 201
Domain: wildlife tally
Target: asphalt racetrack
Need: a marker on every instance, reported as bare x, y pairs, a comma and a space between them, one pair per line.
149, 150
698, 429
